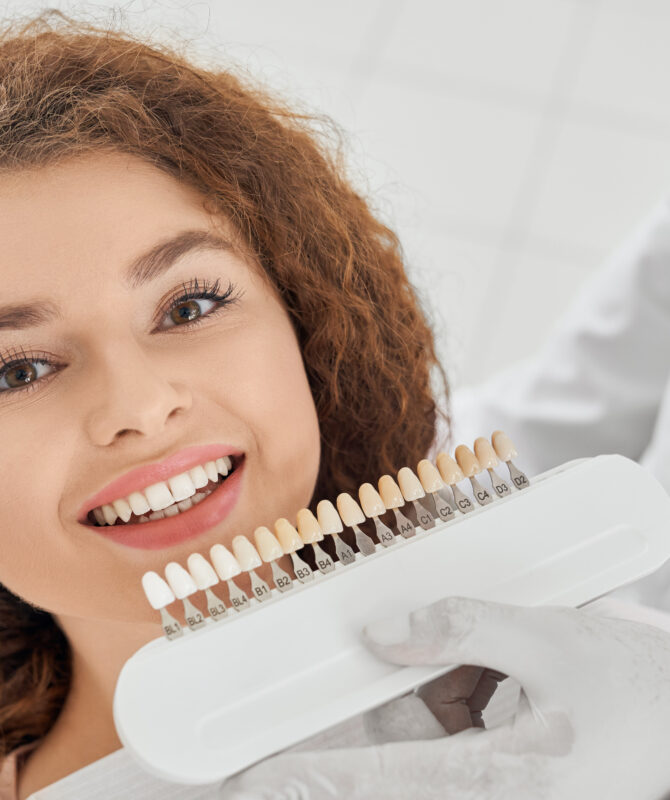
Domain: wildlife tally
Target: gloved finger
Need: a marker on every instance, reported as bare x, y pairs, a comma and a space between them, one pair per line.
528, 644
461, 766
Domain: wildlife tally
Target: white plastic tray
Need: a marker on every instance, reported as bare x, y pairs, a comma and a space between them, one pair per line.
200, 708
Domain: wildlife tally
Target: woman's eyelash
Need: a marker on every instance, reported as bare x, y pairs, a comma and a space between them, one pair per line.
202, 290
193, 290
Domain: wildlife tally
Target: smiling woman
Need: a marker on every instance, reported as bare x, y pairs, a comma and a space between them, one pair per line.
202, 327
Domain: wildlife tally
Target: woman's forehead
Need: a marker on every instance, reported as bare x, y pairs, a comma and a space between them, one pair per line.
94, 217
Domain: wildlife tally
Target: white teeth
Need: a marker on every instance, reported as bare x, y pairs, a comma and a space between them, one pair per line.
211, 471
138, 502
122, 509
199, 477
109, 514
158, 496
165, 498
181, 486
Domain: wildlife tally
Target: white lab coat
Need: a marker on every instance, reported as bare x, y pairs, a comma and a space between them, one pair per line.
601, 384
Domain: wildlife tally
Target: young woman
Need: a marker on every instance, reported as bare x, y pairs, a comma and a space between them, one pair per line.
187, 274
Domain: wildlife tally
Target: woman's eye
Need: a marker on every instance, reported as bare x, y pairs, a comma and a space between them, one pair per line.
21, 374
189, 310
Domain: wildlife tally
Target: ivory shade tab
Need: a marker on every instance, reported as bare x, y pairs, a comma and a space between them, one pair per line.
485, 453
449, 470
201, 571
288, 536
308, 526
157, 591
246, 554
467, 461
267, 544
329, 519
371, 502
503, 446
349, 510
390, 492
181, 583
410, 485
429, 476
225, 563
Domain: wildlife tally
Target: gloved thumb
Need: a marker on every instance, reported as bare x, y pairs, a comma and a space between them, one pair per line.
529, 644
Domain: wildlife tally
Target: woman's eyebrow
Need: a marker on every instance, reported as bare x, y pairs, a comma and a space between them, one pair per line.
146, 267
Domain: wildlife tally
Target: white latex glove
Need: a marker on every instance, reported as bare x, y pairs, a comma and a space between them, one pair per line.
594, 720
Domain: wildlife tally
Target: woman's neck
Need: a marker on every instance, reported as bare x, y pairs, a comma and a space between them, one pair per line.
84, 730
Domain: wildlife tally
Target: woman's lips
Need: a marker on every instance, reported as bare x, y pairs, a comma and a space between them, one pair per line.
141, 477
157, 534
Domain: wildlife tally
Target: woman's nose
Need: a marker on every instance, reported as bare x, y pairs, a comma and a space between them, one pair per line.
132, 393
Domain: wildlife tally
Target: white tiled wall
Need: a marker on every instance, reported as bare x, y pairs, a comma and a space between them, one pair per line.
512, 143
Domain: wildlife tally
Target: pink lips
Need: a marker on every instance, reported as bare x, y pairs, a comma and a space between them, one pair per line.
170, 531
140, 478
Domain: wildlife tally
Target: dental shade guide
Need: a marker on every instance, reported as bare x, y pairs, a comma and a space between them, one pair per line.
198, 705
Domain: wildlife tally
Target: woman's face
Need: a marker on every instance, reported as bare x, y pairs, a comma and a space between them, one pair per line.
113, 373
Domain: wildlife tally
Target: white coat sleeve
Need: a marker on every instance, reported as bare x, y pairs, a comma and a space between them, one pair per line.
598, 384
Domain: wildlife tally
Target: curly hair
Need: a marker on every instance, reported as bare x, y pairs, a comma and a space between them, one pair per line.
68, 88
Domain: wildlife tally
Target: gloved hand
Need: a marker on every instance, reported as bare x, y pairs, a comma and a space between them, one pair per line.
593, 722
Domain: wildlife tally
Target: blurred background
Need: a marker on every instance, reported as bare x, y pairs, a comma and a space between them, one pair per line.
512, 144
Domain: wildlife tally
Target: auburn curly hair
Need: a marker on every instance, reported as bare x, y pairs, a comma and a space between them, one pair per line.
68, 88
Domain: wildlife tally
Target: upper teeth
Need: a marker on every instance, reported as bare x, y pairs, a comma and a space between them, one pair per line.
163, 494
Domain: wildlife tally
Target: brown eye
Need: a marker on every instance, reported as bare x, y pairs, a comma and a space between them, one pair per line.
20, 374
185, 312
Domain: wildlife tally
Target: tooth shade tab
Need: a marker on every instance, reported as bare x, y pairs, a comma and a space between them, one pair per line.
225, 563
246, 554
329, 519
288, 536
308, 527
201, 571
267, 544
449, 470
429, 476
467, 461
410, 485
503, 446
390, 492
181, 583
349, 510
485, 453
157, 591
371, 502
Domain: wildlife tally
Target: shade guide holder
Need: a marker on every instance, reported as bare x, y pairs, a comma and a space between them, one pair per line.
202, 707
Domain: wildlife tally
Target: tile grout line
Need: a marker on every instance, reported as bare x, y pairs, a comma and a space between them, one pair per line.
515, 233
